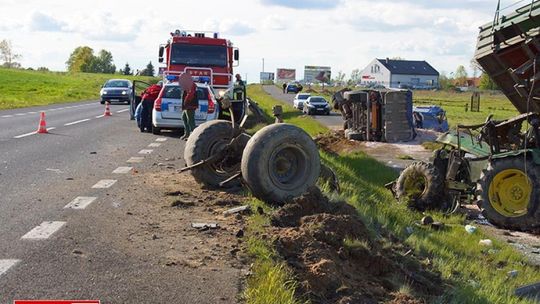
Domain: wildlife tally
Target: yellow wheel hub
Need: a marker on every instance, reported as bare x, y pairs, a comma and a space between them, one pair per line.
510, 192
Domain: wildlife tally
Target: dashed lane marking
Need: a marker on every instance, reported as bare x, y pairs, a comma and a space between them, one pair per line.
104, 183
135, 159
32, 133
154, 145
5, 265
161, 139
7, 116
124, 110
20, 114
122, 170
99, 116
43, 231
76, 122
80, 202
146, 151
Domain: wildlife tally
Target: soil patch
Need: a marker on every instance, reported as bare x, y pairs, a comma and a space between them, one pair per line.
337, 260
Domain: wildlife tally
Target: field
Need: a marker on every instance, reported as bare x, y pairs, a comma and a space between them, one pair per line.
23, 88
475, 274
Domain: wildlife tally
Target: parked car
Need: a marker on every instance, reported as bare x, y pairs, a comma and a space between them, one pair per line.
293, 88
116, 90
167, 112
316, 105
299, 100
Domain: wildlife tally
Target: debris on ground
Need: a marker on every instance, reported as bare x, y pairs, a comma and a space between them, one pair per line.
242, 209
203, 226
470, 229
486, 242
337, 260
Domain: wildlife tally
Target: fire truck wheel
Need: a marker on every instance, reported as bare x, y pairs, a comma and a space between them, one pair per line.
422, 187
207, 140
509, 193
280, 162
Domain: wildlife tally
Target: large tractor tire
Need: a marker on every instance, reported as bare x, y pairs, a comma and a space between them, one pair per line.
509, 193
207, 140
280, 162
422, 187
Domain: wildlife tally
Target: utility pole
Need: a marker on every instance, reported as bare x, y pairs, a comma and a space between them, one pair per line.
263, 64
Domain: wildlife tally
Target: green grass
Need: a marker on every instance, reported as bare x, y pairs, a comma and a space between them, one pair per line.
23, 88
476, 274
271, 280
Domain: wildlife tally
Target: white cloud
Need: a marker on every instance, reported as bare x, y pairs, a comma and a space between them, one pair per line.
276, 23
231, 27
45, 23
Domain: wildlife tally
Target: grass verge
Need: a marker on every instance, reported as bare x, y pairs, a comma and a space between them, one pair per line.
478, 274
23, 88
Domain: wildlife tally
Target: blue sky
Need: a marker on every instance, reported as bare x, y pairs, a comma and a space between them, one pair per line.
343, 34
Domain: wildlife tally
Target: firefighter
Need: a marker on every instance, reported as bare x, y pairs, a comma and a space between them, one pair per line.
148, 97
239, 81
190, 103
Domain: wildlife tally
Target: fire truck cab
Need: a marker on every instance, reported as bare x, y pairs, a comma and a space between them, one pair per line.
201, 54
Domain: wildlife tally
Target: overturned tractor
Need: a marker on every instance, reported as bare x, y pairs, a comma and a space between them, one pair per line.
277, 163
495, 164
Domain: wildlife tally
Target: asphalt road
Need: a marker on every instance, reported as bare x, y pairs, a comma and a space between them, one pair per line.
40, 239
332, 121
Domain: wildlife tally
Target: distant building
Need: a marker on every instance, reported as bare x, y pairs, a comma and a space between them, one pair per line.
400, 73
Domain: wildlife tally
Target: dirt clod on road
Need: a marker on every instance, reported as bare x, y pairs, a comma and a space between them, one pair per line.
337, 260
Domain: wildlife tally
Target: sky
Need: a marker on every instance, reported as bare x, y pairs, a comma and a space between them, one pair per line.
342, 34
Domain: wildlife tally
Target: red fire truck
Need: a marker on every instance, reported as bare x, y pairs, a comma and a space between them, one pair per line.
201, 54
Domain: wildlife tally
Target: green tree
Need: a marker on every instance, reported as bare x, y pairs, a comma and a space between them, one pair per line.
103, 63
486, 83
445, 82
82, 59
149, 70
8, 56
461, 76
126, 70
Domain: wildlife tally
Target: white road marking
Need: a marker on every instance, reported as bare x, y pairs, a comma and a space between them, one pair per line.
32, 133
32, 112
124, 110
146, 151
5, 265
122, 170
80, 202
76, 122
99, 116
161, 139
135, 159
20, 114
7, 116
43, 231
104, 183
154, 145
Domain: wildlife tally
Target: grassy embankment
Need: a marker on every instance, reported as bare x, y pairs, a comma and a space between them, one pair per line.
23, 88
477, 274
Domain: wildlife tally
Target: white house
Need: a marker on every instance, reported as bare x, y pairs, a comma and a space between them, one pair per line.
405, 73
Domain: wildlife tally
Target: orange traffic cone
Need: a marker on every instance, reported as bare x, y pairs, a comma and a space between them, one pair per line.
42, 128
107, 110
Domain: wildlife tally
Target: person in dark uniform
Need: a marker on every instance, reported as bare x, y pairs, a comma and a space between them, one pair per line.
284, 87
190, 103
148, 97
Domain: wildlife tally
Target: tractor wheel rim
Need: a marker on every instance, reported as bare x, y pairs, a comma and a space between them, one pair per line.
510, 192
222, 166
288, 166
415, 186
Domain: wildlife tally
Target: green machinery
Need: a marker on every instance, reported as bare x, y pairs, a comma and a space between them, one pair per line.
497, 163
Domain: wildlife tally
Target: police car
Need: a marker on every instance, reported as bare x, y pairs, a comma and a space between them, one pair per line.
167, 112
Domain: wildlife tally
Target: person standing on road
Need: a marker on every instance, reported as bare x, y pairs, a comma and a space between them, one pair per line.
190, 103
284, 87
148, 97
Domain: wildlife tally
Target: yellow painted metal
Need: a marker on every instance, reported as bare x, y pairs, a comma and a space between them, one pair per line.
510, 192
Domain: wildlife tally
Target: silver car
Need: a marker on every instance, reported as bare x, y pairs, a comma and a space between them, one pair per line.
167, 111
299, 100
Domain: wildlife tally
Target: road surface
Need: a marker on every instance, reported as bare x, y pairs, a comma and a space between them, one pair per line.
72, 213
333, 121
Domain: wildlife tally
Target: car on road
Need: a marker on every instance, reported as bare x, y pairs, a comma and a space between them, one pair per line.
293, 88
299, 100
316, 105
167, 111
116, 90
